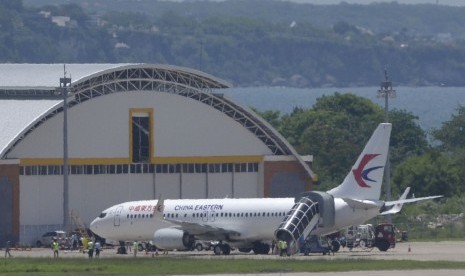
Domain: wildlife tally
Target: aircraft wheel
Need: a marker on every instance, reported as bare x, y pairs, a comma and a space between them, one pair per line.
199, 247
335, 246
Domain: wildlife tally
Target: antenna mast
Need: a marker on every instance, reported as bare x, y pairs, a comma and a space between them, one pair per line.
64, 90
387, 92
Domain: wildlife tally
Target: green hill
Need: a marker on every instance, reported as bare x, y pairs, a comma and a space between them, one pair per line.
250, 43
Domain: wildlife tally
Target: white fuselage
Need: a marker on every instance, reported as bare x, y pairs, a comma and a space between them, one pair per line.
255, 219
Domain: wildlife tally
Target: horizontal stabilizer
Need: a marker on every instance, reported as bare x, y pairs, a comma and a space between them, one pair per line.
361, 204
394, 207
410, 200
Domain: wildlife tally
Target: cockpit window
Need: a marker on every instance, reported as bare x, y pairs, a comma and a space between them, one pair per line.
102, 215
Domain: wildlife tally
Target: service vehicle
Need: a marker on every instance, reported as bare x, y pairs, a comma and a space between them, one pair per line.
366, 236
47, 238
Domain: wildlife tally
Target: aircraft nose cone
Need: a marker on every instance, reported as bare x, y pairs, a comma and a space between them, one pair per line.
94, 226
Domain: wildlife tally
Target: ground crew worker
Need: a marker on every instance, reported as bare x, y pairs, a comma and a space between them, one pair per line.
282, 246
55, 248
7, 249
84, 244
135, 248
90, 248
98, 248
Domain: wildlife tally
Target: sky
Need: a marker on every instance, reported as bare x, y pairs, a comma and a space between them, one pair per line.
442, 2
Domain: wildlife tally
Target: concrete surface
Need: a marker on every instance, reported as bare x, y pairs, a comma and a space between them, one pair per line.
420, 251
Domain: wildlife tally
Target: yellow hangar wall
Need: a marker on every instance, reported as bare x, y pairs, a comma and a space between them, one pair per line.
197, 152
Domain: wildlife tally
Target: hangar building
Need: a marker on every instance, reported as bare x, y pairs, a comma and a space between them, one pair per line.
134, 131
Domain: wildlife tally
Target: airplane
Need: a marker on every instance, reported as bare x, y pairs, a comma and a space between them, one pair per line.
253, 223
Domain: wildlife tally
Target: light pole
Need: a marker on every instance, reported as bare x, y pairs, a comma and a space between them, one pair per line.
387, 92
63, 85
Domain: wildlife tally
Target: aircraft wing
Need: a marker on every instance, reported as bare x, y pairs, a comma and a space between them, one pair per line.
393, 207
206, 232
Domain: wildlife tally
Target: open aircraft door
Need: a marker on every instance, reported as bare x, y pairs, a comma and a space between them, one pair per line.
117, 217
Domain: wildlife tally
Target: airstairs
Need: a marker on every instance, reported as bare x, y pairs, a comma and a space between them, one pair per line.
311, 210
299, 221
79, 225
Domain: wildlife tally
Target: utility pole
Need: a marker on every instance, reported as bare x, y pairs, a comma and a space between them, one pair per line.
387, 92
64, 90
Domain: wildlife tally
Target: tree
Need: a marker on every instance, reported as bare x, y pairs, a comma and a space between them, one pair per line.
336, 129
452, 138
452, 133
272, 117
333, 131
16, 5
408, 138
429, 174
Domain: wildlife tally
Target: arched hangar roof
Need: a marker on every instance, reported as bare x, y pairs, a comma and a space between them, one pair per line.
106, 79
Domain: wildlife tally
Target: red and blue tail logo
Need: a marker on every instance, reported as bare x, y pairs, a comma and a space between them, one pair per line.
361, 174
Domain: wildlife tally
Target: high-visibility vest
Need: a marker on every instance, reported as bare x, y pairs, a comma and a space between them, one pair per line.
55, 245
90, 245
282, 244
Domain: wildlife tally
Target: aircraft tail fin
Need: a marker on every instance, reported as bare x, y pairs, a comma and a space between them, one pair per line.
159, 208
365, 179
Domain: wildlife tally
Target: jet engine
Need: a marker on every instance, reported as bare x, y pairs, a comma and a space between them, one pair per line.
172, 238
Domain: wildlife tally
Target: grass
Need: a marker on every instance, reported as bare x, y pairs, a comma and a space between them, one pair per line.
190, 266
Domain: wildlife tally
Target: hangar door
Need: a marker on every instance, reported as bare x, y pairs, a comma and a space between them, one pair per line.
286, 184
6, 207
